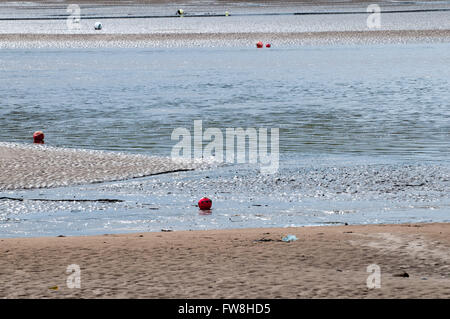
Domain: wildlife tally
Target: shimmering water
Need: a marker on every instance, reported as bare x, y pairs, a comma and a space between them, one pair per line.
208, 17
364, 133
380, 100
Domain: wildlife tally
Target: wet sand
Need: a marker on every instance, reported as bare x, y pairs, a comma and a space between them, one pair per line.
196, 2
37, 166
122, 29
220, 39
325, 262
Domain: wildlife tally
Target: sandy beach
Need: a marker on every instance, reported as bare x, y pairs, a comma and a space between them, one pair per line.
340, 110
325, 262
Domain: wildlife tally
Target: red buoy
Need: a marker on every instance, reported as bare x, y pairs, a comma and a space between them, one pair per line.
204, 203
259, 45
268, 45
38, 137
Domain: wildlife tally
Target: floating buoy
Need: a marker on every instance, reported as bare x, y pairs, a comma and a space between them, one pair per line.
98, 26
38, 137
268, 45
205, 203
259, 45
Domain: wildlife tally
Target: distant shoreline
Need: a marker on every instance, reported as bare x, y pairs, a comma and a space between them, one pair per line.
154, 24
193, 2
220, 39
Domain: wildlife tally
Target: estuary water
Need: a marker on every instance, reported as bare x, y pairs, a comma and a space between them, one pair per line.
364, 134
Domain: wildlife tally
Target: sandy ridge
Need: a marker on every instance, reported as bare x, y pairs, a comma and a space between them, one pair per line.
37, 166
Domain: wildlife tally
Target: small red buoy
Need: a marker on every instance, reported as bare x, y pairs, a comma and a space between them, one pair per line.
38, 137
259, 45
204, 203
268, 45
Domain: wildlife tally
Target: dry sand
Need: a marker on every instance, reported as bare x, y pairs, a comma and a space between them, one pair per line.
38, 166
326, 262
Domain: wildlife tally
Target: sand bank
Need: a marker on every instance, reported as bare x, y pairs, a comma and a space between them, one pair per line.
219, 39
154, 24
253, 263
190, 2
37, 166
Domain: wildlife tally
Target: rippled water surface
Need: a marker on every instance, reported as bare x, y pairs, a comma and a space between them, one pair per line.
390, 100
364, 133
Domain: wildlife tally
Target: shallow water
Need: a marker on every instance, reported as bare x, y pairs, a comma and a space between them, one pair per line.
364, 134
310, 191
377, 100
208, 18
